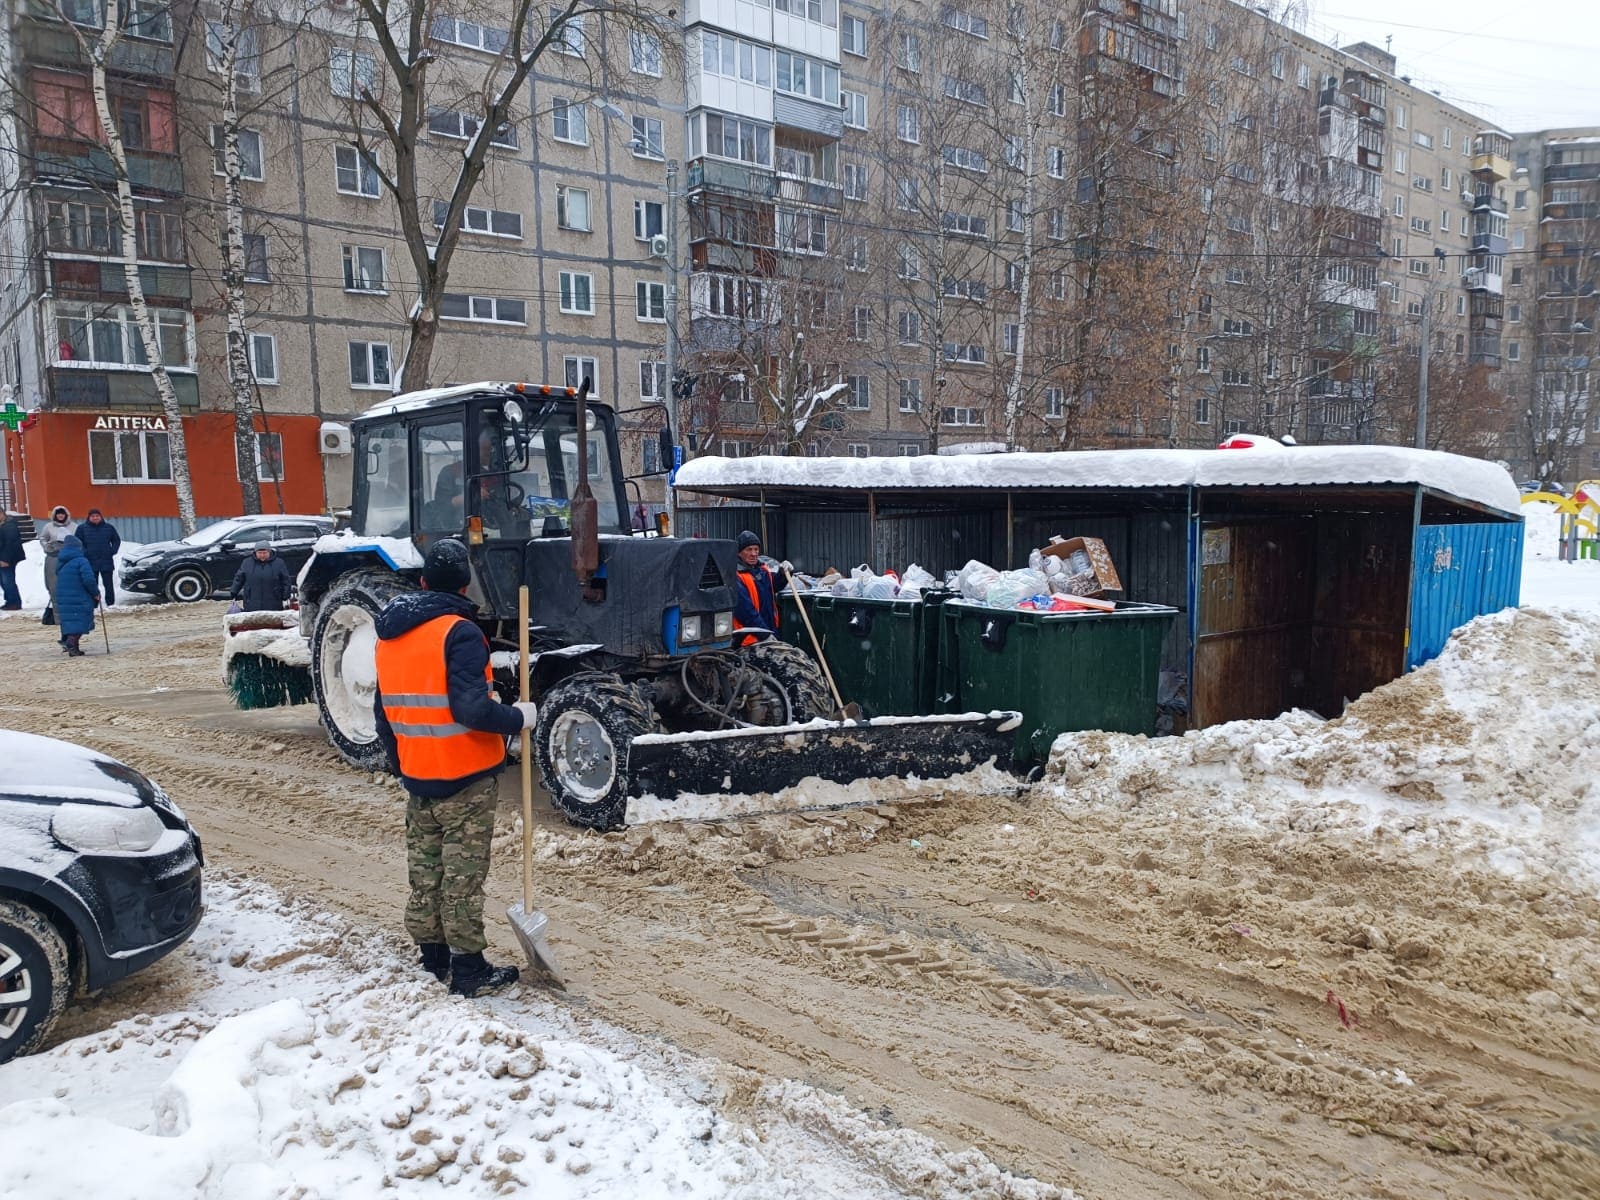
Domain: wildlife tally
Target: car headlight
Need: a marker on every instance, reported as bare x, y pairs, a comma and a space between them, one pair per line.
721, 625
690, 630
104, 829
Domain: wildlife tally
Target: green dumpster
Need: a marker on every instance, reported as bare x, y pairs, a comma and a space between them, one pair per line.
1061, 671
883, 653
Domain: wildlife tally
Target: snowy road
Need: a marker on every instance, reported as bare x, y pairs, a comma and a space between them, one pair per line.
1140, 998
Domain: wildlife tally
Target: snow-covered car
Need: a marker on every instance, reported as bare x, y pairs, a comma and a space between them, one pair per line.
202, 564
99, 878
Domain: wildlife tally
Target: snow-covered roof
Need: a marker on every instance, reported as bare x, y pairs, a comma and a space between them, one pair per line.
1468, 479
411, 401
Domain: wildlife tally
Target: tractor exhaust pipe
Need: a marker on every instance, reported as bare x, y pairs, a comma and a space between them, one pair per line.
585, 510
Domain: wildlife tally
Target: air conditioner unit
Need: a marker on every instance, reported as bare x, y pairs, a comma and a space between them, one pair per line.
335, 438
658, 246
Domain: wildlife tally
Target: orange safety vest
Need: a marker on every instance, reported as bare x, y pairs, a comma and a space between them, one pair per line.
747, 580
414, 682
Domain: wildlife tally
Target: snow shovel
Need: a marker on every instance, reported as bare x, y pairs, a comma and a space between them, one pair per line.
853, 711
527, 922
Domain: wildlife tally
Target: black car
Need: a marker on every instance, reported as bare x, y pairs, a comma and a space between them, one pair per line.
202, 564
99, 877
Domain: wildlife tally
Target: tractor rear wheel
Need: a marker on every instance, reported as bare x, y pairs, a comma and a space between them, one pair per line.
344, 663
587, 724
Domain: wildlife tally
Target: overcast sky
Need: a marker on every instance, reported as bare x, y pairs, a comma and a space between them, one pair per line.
1524, 64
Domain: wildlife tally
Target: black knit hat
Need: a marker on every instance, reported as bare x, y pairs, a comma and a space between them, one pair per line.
747, 538
446, 567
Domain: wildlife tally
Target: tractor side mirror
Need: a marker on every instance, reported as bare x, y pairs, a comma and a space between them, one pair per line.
666, 449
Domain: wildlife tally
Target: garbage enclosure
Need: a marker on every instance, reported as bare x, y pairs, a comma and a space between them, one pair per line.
1061, 671
883, 653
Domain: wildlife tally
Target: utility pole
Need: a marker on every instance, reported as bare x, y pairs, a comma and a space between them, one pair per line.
674, 425
1422, 371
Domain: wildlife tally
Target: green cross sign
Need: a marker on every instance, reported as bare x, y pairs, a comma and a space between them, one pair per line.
12, 417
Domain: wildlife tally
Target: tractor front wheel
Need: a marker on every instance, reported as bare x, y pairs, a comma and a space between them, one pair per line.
344, 663
587, 724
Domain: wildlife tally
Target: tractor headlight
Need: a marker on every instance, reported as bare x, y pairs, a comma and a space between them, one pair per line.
103, 829
690, 630
721, 626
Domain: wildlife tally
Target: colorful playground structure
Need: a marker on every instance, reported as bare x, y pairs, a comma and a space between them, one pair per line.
1580, 519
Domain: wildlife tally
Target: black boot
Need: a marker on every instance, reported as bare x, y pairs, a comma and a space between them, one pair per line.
72, 645
436, 959
471, 975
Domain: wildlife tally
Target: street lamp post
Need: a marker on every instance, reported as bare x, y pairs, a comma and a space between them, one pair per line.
674, 424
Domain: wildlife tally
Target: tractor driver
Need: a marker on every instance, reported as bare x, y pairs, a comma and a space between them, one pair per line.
500, 514
755, 600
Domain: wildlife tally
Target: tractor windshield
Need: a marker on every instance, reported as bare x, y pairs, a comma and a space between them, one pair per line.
528, 497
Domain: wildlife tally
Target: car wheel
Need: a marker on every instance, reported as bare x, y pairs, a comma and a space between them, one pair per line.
34, 978
344, 663
186, 585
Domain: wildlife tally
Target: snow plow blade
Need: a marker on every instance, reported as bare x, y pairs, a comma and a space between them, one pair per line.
817, 765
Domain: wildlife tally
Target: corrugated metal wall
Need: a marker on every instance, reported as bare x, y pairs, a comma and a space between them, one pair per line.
142, 530
1460, 572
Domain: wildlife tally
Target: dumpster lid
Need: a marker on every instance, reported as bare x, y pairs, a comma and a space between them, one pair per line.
1474, 480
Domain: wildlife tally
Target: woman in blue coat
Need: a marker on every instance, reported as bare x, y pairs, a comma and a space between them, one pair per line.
76, 595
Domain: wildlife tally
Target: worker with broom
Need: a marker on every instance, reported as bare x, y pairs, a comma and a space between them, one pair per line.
445, 735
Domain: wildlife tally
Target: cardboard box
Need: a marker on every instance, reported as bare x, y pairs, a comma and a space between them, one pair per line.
1100, 579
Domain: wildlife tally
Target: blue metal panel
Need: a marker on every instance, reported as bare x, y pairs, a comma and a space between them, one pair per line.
1460, 572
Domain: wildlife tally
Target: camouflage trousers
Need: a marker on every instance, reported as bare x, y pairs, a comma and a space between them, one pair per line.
447, 860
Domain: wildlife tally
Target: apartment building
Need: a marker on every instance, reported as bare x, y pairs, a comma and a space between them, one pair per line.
553, 278
1553, 306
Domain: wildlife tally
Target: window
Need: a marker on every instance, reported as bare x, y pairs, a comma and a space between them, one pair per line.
649, 219
969, 224
860, 394
966, 22
351, 74
730, 58
1202, 359
1421, 225
97, 335
148, 19
907, 194
255, 258
118, 457
1400, 162
910, 325
910, 52
1013, 277
1055, 158
1520, 202
855, 109
575, 368
907, 124
1009, 337
1513, 351
912, 449
910, 395
1519, 239
965, 352
569, 121
727, 296
355, 174
572, 208
469, 34
1302, 75
1444, 220
965, 90
910, 263
803, 232
1236, 328
650, 300
1444, 178
1204, 306
369, 365
1516, 277
958, 415
647, 141
860, 323
568, 33
157, 234
1399, 204
1202, 410
732, 137
363, 269
264, 358
855, 252
644, 53
652, 384
1425, 140
251, 163
858, 450
1513, 314
246, 45
1448, 137
1399, 116
806, 77
1235, 377
269, 457
577, 293
1055, 402
462, 126
853, 35
1423, 183
1058, 100
1014, 218
964, 159
488, 310
492, 222
855, 181
76, 225
1275, 64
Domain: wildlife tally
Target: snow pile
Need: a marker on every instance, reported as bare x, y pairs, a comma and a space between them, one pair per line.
1489, 753
274, 635
1546, 580
398, 553
315, 1062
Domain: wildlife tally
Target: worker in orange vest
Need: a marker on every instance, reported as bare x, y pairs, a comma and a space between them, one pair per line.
755, 600
445, 734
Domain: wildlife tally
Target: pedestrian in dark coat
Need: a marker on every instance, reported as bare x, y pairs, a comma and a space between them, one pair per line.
101, 541
11, 555
76, 595
262, 582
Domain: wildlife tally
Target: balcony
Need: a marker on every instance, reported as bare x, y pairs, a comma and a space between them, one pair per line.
721, 175
1488, 202
47, 41
818, 193
79, 278
1491, 155
1488, 243
810, 116
63, 158
1332, 291
72, 387
1480, 279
